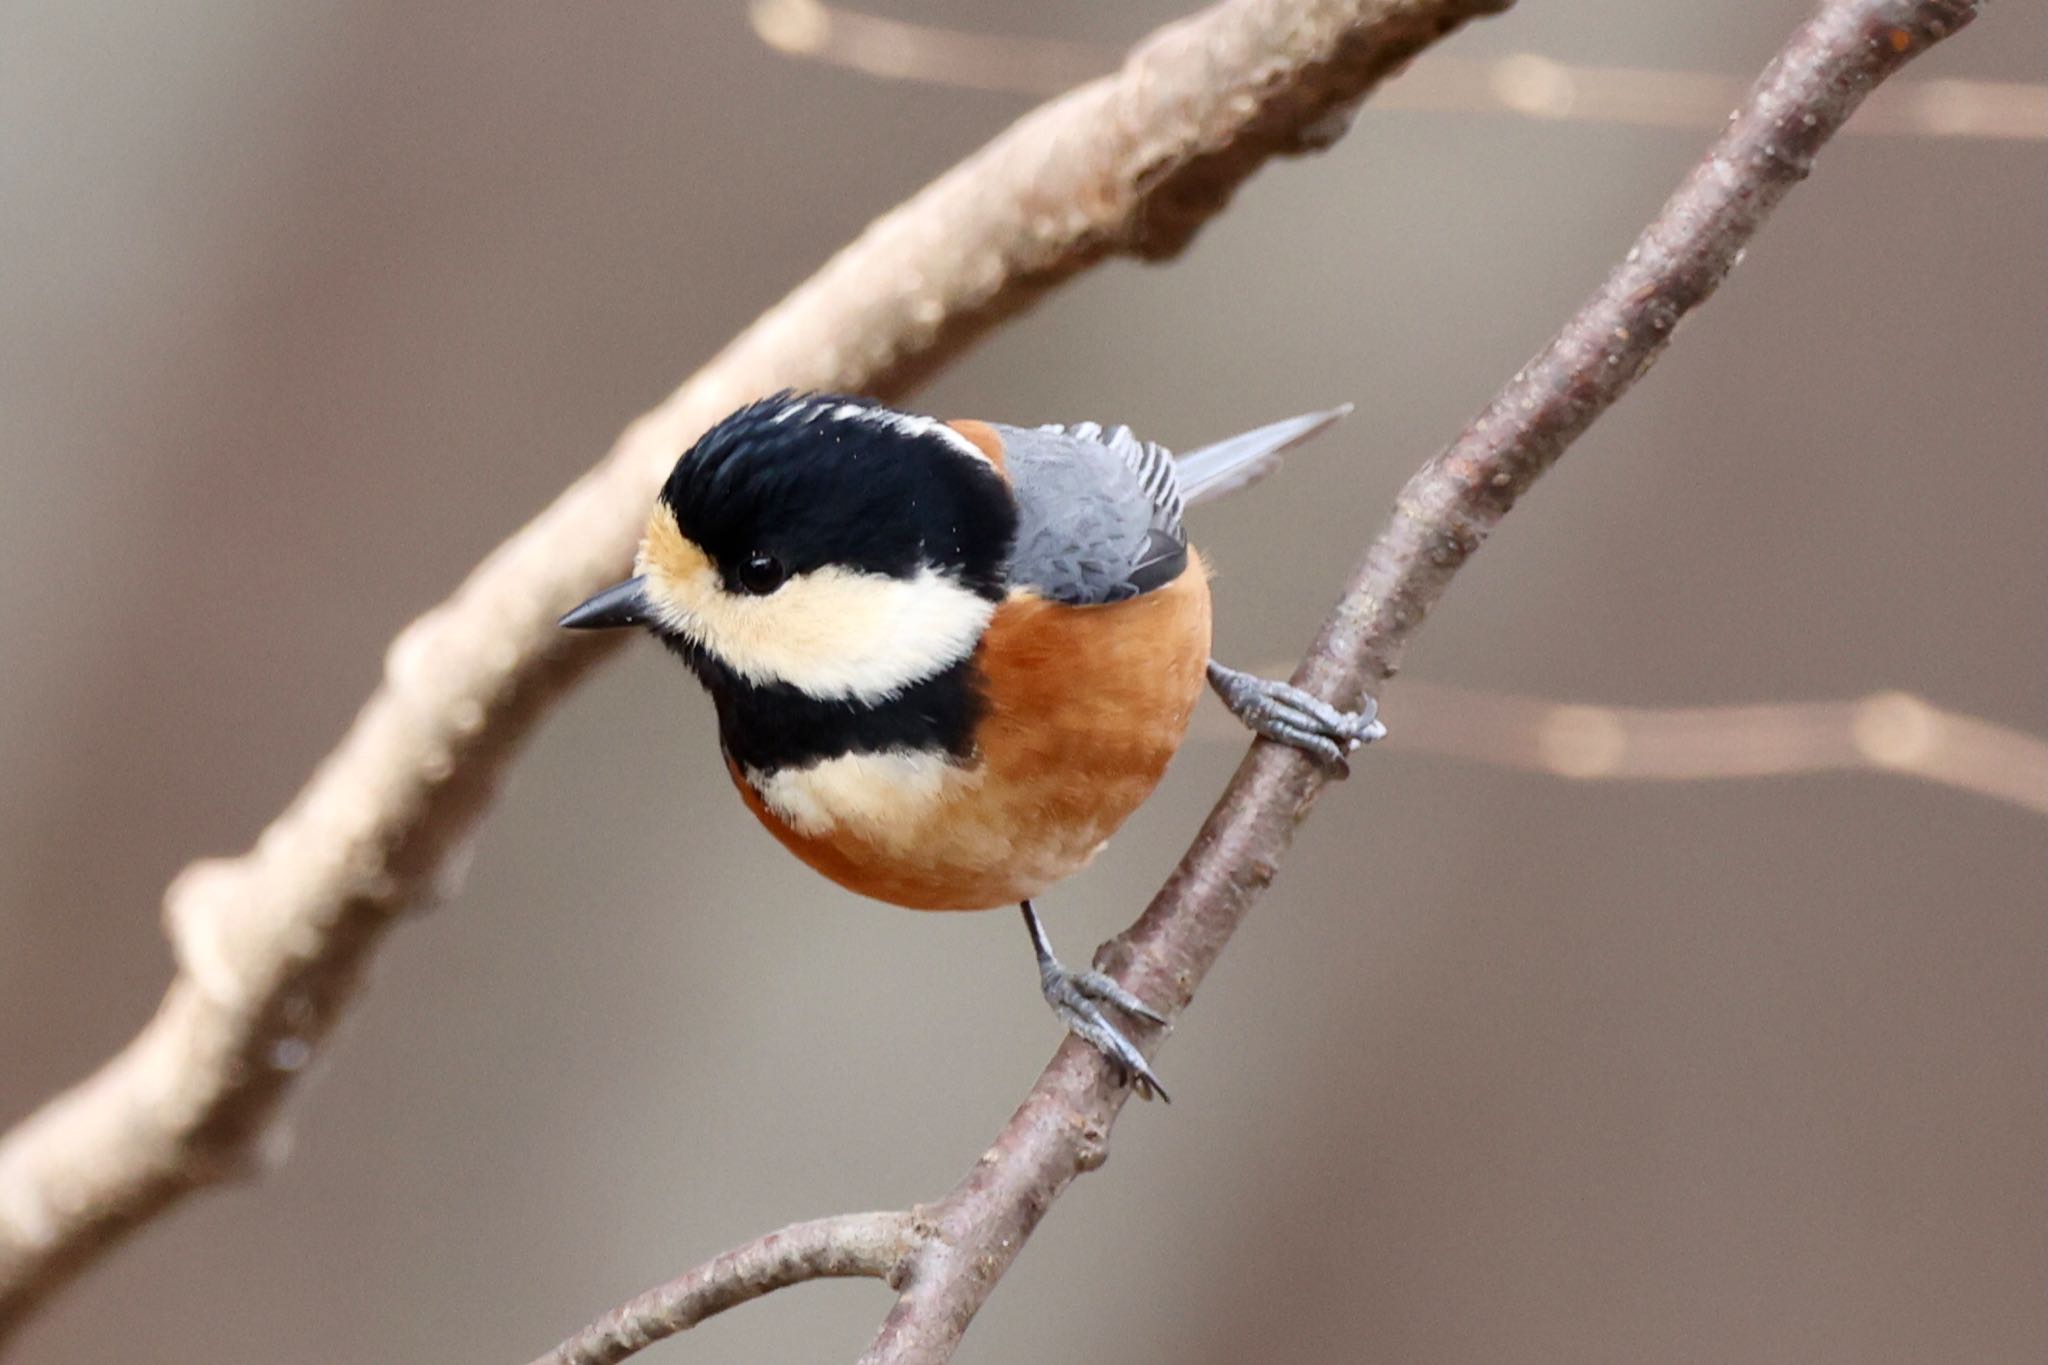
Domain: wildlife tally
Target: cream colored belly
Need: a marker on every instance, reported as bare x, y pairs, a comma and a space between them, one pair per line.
922, 830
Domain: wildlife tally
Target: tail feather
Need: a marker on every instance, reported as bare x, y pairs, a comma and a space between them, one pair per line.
1238, 462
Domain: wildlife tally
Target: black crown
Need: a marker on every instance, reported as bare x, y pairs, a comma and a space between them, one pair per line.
817, 479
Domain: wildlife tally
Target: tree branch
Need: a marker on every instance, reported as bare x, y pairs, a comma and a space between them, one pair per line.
1527, 84
1888, 733
271, 944
851, 1245
1440, 518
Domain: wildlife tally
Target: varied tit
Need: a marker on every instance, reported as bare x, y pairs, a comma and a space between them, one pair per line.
949, 658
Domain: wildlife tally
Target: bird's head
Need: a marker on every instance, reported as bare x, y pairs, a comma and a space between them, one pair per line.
822, 543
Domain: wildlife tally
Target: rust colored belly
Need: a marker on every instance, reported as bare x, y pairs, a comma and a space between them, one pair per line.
1086, 706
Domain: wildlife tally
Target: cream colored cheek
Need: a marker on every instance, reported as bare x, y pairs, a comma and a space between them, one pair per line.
834, 634
814, 623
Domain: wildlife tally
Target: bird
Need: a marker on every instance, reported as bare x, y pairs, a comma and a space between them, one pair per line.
949, 658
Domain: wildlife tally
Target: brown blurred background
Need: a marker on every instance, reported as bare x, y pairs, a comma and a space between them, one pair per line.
306, 306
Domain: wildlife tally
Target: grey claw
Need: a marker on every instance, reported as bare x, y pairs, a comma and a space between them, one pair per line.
1098, 987
1076, 999
1087, 1024
1280, 711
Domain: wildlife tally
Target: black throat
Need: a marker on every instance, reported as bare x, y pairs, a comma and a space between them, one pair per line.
765, 727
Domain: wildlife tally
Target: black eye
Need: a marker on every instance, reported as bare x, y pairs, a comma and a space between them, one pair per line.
761, 574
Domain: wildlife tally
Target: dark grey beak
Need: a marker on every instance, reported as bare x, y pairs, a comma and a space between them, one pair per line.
622, 604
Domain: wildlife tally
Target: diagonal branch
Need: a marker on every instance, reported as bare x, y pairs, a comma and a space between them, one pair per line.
1441, 517
271, 944
969, 1239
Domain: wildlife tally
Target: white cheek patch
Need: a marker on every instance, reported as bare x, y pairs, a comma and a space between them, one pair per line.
884, 797
834, 634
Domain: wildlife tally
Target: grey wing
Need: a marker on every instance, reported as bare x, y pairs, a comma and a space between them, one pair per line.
1099, 513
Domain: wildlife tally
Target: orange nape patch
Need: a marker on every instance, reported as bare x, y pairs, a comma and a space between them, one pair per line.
983, 438
1086, 706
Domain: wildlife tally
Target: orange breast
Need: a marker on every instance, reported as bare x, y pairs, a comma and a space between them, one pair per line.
1086, 705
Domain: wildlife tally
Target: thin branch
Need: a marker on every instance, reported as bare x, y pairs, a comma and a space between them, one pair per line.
271, 944
1442, 516
849, 1246
1886, 732
1528, 84
930, 54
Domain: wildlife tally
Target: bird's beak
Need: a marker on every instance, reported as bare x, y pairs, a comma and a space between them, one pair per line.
622, 604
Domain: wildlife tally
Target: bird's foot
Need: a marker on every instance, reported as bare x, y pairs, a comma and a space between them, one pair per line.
1280, 711
1078, 998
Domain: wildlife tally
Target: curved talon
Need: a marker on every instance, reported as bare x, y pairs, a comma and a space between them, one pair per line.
1284, 713
1086, 1023
1077, 999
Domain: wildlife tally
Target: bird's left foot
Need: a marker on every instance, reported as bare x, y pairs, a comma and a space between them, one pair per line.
1283, 712
1078, 999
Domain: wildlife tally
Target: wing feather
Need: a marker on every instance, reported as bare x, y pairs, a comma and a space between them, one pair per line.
1100, 511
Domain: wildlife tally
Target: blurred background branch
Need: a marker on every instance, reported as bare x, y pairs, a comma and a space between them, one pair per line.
1443, 515
271, 945
1528, 84
1885, 733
